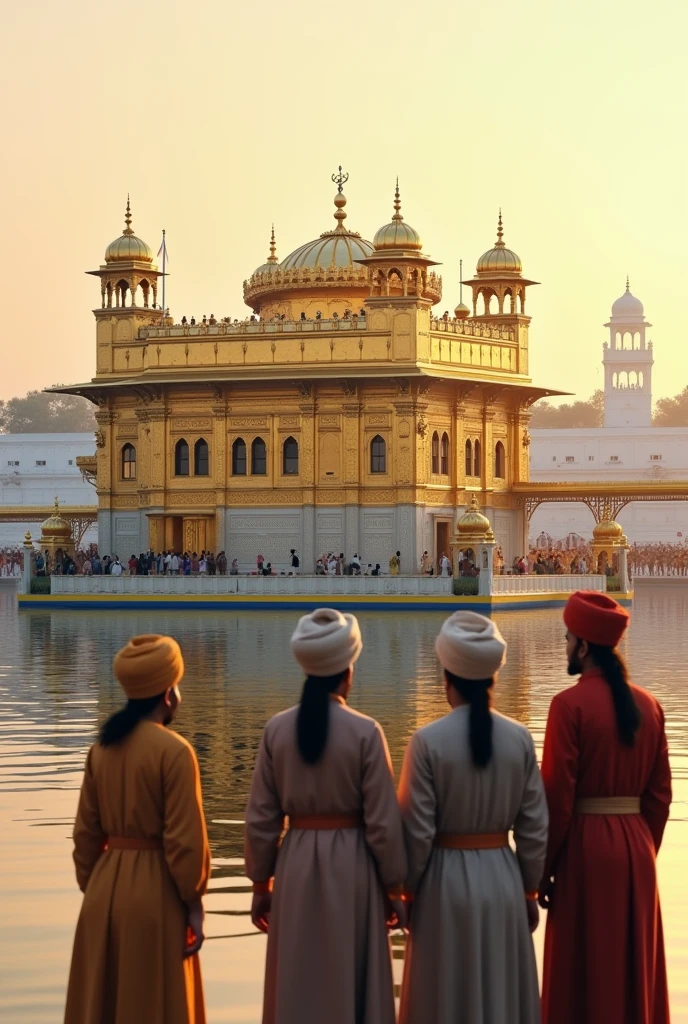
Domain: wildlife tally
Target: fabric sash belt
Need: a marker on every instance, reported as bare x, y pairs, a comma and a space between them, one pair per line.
125, 843
608, 805
471, 841
325, 822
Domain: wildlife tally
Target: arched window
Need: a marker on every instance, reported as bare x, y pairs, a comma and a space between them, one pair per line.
128, 462
444, 458
259, 457
469, 458
435, 452
499, 461
290, 456
477, 464
378, 455
239, 457
201, 458
181, 458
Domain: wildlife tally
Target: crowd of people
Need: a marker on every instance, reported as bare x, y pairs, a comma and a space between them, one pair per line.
338, 858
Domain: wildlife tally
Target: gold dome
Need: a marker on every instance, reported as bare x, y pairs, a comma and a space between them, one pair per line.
461, 311
473, 521
499, 260
338, 249
608, 530
56, 526
128, 247
397, 234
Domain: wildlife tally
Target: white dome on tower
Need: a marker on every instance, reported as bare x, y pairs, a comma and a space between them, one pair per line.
628, 305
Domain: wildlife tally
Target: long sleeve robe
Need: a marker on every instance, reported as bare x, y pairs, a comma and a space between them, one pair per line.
328, 955
127, 963
604, 947
470, 956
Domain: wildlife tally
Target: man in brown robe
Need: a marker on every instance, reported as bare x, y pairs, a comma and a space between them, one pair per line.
342, 861
141, 855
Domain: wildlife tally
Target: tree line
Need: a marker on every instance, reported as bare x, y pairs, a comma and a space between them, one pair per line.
669, 412
41, 413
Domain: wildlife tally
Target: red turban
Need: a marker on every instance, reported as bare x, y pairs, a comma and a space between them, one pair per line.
595, 617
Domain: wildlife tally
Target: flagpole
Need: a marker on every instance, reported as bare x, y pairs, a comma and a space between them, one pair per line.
164, 254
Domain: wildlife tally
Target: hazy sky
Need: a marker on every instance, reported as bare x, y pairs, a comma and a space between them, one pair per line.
220, 118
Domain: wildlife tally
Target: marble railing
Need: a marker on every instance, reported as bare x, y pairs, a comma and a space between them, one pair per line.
318, 586
472, 329
547, 584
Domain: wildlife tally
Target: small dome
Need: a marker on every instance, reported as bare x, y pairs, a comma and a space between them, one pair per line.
461, 311
499, 259
397, 234
608, 530
55, 525
473, 521
128, 247
628, 305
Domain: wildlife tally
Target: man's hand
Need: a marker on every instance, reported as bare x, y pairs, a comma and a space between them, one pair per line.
260, 910
194, 928
546, 894
396, 914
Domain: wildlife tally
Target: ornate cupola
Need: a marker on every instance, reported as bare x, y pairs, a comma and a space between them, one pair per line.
499, 288
322, 278
398, 268
128, 273
628, 362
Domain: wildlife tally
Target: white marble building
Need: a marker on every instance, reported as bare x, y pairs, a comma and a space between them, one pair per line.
627, 447
34, 469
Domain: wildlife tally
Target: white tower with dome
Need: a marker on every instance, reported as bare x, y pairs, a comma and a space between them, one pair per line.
627, 364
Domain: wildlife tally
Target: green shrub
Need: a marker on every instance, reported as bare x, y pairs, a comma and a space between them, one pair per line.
40, 585
465, 586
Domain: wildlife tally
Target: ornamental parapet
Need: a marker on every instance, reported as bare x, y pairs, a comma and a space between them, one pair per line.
267, 282
255, 327
472, 329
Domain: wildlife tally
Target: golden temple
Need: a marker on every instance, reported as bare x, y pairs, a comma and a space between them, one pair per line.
341, 415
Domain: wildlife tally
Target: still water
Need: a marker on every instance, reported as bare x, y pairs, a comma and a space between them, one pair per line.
56, 685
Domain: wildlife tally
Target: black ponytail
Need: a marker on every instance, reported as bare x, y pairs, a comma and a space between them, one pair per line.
613, 668
313, 720
476, 693
123, 722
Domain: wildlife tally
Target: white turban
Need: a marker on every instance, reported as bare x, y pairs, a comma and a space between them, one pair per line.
326, 642
470, 646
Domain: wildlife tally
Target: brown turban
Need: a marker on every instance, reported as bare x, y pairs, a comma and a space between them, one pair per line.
148, 666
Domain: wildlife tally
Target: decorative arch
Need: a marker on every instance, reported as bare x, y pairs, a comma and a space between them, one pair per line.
435, 451
181, 458
290, 457
444, 454
259, 457
500, 461
477, 458
469, 457
201, 458
378, 455
239, 457
128, 462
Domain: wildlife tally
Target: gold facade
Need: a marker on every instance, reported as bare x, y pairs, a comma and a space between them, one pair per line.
385, 404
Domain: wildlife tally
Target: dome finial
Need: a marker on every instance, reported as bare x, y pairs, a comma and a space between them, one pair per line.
397, 203
340, 179
628, 283
272, 258
127, 219
500, 231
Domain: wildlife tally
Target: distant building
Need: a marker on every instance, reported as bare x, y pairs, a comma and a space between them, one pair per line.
34, 469
627, 447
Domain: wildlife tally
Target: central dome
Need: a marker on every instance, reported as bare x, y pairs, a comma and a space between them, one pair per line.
334, 249
499, 259
128, 248
628, 305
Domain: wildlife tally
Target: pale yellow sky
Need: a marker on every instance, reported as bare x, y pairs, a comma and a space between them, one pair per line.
220, 118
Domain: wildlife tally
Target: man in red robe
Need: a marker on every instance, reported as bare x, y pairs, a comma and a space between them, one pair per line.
606, 773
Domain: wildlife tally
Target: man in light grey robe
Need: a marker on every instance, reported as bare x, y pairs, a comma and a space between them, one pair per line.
470, 957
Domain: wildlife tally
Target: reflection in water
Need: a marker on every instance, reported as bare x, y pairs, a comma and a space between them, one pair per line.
56, 685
